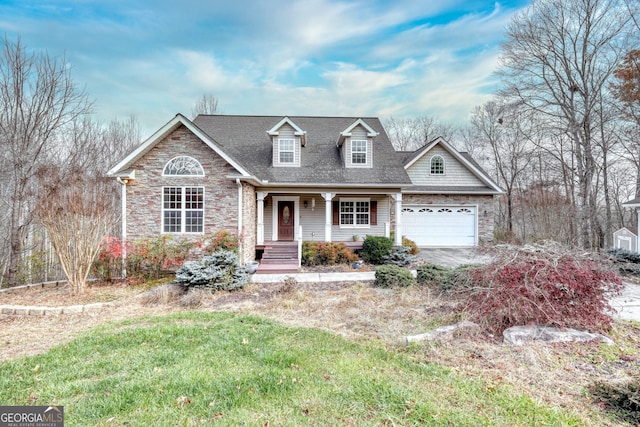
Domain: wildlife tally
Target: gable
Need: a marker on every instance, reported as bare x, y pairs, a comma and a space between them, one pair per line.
181, 142
455, 172
287, 146
357, 149
123, 167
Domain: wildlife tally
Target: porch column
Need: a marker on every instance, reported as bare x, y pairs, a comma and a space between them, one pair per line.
260, 195
398, 231
328, 215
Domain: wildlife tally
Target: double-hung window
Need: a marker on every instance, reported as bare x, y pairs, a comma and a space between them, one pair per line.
183, 209
358, 152
355, 212
286, 150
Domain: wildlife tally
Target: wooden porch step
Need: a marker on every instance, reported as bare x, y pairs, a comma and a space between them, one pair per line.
279, 258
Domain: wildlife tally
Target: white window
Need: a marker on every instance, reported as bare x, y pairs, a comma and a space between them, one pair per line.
437, 165
358, 152
183, 166
286, 150
183, 209
355, 212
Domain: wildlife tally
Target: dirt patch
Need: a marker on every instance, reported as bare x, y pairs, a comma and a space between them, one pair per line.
555, 374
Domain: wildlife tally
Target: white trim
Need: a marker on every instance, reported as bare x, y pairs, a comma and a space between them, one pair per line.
183, 175
292, 151
274, 215
355, 224
459, 157
274, 131
366, 153
183, 210
444, 165
370, 132
163, 132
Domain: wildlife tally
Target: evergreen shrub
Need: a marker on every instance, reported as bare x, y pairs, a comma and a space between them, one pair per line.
390, 276
218, 271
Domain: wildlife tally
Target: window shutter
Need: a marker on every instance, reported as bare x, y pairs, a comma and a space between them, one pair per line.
373, 212
336, 213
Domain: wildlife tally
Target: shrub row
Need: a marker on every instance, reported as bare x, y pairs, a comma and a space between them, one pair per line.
152, 258
326, 253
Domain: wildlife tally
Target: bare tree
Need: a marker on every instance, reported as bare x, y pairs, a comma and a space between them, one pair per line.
501, 127
557, 60
206, 104
77, 215
38, 100
408, 134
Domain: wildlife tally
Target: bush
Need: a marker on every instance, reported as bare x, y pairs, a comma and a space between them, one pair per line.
400, 256
622, 399
219, 271
623, 255
223, 240
326, 253
376, 248
389, 276
544, 286
413, 248
434, 274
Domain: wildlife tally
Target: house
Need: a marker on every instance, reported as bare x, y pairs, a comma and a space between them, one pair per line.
274, 179
625, 238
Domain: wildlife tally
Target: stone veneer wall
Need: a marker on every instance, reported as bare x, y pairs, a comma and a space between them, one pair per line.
249, 224
487, 208
144, 193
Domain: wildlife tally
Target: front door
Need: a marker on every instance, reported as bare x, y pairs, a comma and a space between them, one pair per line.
285, 220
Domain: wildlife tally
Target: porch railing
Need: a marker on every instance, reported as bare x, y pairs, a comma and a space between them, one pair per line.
299, 246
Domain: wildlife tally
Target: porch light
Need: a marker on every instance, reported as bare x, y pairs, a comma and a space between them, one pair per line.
306, 204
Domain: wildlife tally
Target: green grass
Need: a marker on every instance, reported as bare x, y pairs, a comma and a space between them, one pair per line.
239, 370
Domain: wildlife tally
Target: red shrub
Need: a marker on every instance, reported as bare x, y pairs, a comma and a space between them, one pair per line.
544, 287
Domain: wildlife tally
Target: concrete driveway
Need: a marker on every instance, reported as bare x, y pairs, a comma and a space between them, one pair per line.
627, 305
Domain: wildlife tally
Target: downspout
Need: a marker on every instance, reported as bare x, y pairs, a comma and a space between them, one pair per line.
239, 184
123, 240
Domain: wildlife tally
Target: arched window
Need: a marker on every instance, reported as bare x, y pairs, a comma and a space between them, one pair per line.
183, 165
437, 165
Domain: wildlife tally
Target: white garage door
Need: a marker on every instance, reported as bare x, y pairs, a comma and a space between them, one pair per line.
440, 225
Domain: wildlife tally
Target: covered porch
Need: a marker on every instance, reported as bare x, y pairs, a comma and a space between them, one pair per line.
286, 218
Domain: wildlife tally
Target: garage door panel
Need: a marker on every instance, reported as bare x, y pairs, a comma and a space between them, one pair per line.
440, 226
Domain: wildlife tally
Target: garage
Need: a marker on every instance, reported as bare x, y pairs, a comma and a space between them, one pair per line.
440, 225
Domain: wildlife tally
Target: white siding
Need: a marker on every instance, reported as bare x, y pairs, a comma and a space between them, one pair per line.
286, 132
313, 220
455, 173
359, 133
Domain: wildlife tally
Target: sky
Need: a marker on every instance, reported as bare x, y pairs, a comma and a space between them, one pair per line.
154, 58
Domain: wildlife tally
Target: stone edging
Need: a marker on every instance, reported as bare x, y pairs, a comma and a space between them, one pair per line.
27, 310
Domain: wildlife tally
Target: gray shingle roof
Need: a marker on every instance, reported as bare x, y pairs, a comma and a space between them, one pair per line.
246, 140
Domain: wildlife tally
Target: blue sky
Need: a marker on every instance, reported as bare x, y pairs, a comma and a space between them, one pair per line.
153, 59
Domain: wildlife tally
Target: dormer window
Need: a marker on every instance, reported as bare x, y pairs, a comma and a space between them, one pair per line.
359, 152
287, 140
437, 165
286, 150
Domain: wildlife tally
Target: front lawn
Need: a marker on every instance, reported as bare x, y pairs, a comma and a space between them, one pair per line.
195, 368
